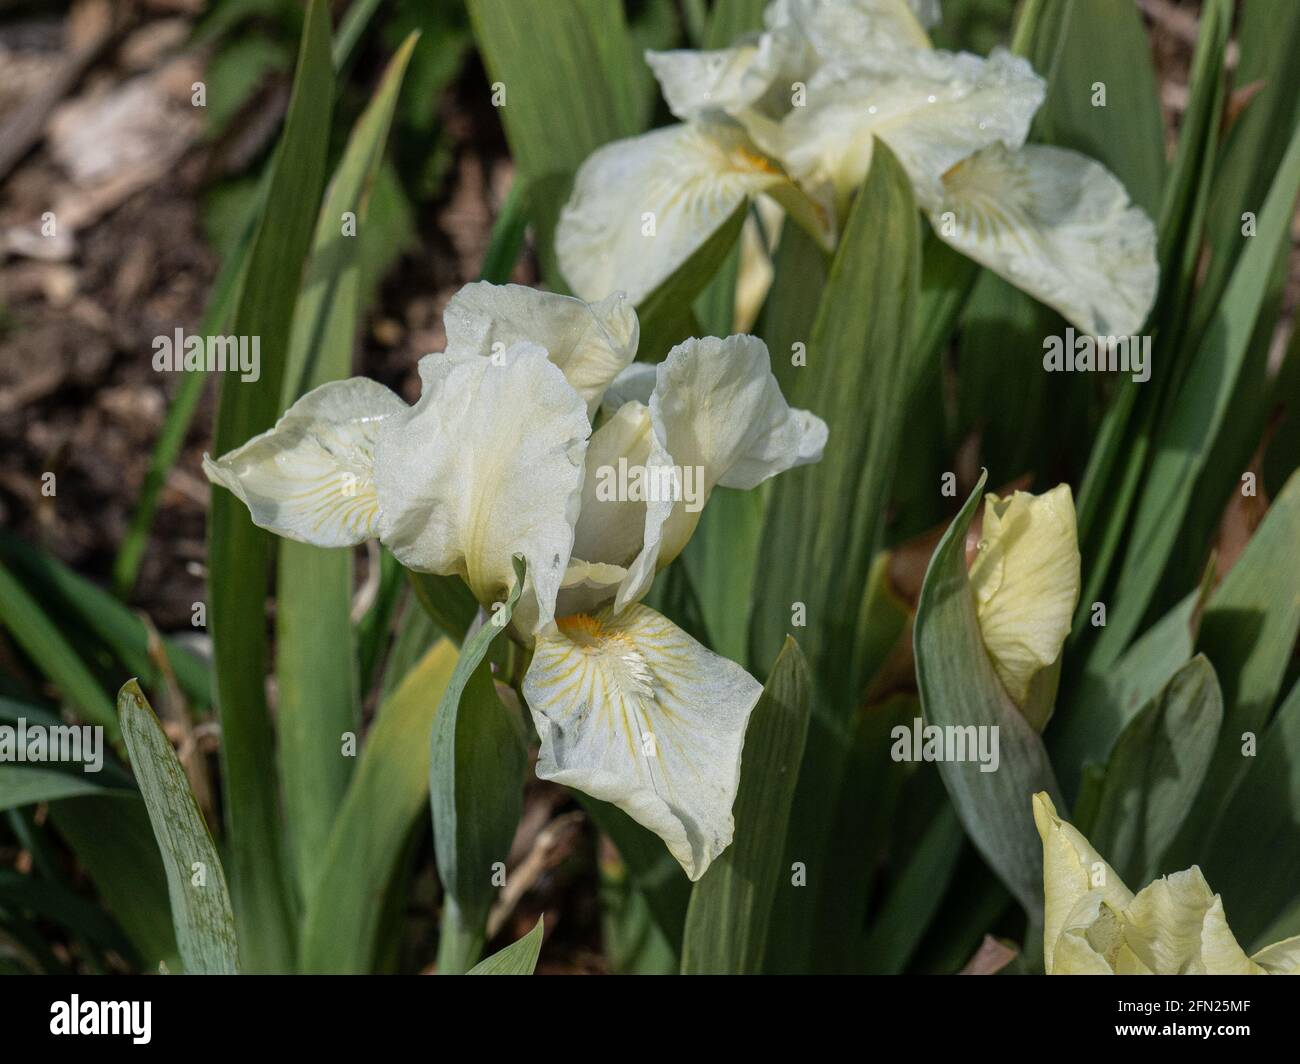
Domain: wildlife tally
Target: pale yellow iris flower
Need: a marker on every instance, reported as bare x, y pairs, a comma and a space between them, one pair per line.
1094, 925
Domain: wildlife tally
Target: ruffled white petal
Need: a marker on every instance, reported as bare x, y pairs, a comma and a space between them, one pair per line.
932, 108
633, 711
310, 478
720, 416
489, 464
591, 343
642, 206
854, 28
1059, 226
726, 80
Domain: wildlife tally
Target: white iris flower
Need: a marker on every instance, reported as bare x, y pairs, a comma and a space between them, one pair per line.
793, 113
498, 458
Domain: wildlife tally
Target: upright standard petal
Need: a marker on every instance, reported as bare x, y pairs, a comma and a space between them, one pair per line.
1025, 579
633, 711
837, 29
642, 206
1176, 926
718, 417
724, 80
311, 477
932, 108
1072, 870
1057, 225
488, 464
591, 343
611, 523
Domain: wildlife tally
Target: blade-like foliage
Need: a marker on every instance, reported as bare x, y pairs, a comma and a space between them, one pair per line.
196, 883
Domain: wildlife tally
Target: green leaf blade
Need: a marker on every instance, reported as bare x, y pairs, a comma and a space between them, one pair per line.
196, 882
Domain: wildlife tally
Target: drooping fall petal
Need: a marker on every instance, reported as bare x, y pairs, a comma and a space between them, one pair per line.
632, 710
1058, 225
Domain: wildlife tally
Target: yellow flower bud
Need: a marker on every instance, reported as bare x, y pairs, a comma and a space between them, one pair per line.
1025, 578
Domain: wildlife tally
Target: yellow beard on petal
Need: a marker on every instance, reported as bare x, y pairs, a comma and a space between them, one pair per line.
627, 666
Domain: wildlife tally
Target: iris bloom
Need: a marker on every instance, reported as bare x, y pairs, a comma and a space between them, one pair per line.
498, 458
1094, 925
1025, 578
793, 112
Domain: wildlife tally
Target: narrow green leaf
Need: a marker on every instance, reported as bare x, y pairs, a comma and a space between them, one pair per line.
26, 786
665, 314
41, 639
1122, 455
1078, 45
114, 844
1253, 854
196, 883
1268, 38
556, 112
238, 552
216, 315
316, 668
1102, 705
798, 276
447, 600
1249, 633
374, 631
383, 803
624, 72
83, 606
715, 306
507, 237
859, 360
1196, 415
631, 938
915, 897
726, 923
958, 690
729, 19
1155, 770
721, 559
865, 815
654, 873
351, 27
518, 958
476, 767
